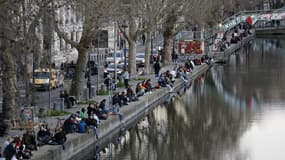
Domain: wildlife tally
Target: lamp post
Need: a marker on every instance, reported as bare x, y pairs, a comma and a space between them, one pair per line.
151, 48
89, 76
173, 47
125, 46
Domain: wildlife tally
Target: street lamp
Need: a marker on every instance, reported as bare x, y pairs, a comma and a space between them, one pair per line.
89, 76
151, 48
125, 46
173, 47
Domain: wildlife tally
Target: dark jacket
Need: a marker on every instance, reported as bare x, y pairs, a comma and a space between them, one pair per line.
9, 151
156, 67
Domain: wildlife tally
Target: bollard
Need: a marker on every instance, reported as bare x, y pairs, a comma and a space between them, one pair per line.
103, 87
42, 112
93, 91
85, 94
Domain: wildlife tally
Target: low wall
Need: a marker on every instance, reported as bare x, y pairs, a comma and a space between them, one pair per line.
84, 145
270, 31
223, 56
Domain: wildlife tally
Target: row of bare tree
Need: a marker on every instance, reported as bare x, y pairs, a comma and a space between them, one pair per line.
21, 21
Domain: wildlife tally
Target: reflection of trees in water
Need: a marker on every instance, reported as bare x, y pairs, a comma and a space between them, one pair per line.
203, 128
259, 73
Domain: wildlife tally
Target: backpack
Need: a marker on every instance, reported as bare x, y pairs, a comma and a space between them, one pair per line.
82, 127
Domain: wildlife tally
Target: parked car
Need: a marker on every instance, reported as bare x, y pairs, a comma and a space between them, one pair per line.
111, 69
111, 57
140, 59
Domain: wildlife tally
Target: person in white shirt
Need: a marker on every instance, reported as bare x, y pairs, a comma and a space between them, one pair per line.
126, 77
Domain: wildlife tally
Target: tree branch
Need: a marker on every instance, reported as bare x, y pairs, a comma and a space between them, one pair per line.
180, 27
124, 33
65, 37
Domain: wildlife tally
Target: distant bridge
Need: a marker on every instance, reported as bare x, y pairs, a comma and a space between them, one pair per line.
263, 22
255, 16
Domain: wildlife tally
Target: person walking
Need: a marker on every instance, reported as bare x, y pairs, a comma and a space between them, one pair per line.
156, 67
183, 51
174, 57
126, 77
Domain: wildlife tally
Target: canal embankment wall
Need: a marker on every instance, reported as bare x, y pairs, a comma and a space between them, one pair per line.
270, 31
223, 56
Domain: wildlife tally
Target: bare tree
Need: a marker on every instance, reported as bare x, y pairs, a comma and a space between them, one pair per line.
152, 12
95, 14
130, 18
19, 21
177, 15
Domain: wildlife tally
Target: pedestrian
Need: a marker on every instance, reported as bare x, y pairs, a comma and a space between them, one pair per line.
156, 67
174, 56
126, 77
143, 39
183, 51
67, 99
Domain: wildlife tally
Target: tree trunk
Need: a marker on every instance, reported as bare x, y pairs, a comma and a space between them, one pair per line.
82, 48
147, 53
168, 35
78, 79
132, 57
167, 48
10, 111
132, 40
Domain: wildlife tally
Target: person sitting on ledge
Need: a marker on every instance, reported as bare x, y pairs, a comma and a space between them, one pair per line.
140, 90
162, 80
21, 151
131, 95
59, 138
149, 86
29, 139
43, 135
101, 115
103, 107
116, 100
93, 122
123, 98
181, 73
69, 125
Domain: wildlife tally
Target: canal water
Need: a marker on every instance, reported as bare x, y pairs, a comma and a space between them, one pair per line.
235, 111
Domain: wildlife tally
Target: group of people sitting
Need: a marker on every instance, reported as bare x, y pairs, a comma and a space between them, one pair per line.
239, 32
83, 120
19, 147
166, 79
144, 87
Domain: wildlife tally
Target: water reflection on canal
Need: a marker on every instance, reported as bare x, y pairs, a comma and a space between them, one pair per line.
234, 112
